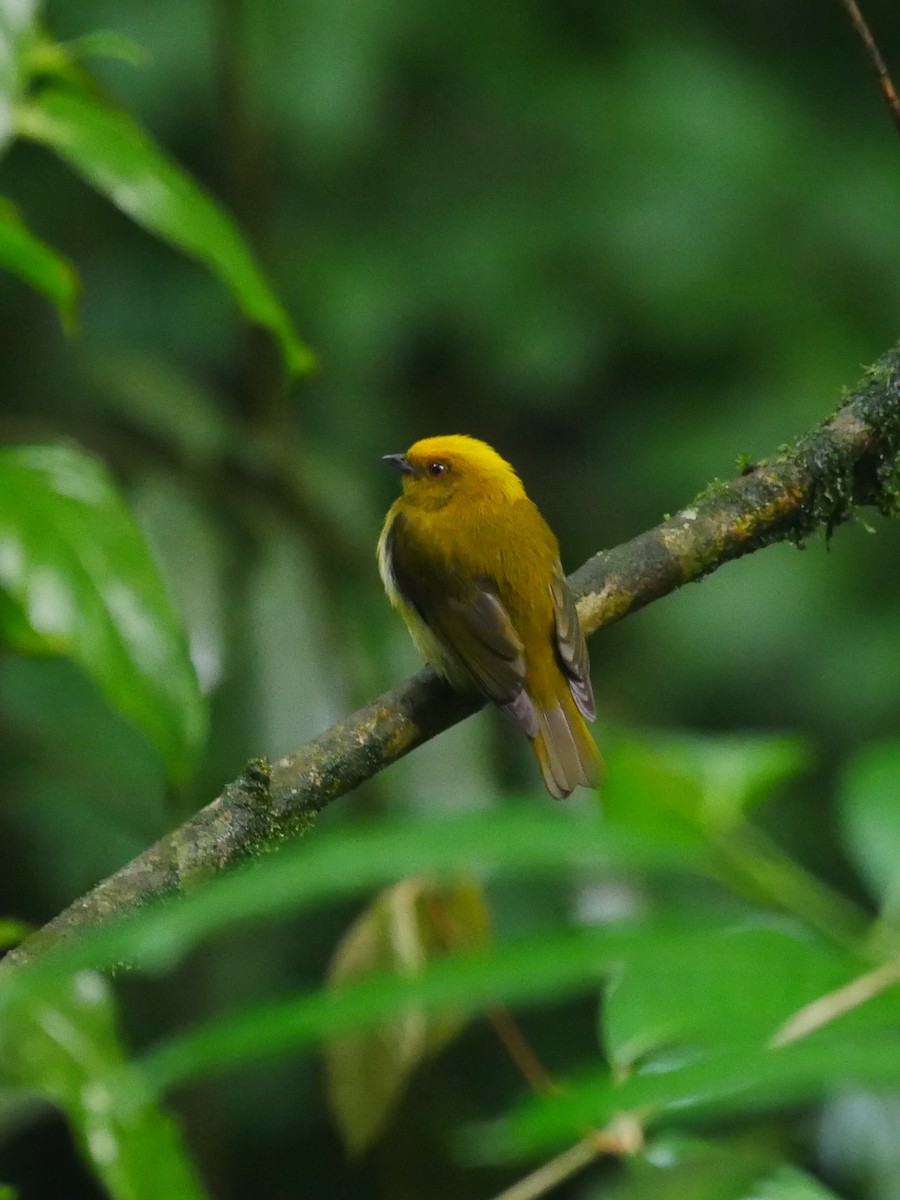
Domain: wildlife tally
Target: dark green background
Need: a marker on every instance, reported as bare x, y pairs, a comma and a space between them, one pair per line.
624, 244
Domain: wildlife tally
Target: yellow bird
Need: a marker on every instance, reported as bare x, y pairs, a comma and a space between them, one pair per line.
473, 568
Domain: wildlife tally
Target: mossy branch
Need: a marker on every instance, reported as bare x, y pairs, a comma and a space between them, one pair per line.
814, 484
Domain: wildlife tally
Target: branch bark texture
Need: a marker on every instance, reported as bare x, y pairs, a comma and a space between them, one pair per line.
813, 484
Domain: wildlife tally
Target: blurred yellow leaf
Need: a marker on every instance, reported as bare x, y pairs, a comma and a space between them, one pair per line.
402, 929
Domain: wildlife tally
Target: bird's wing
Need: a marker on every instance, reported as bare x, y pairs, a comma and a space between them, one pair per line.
571, 645
469, 620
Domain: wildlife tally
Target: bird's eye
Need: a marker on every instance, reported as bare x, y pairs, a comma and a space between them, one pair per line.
437, 468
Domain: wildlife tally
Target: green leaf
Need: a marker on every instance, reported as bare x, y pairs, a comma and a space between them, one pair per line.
870, 815
525, 841
76, 579
682, 787
734, 774
17, 19
735, 984
67, 1050
676, 1166
790, 1183
112, 152
644, 791
709, 1088
12, 932
538, 968
521, 841
711, 1171
37, 264
108, 43
406, 926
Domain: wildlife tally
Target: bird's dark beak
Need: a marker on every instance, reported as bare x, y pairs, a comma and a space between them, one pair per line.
398, 461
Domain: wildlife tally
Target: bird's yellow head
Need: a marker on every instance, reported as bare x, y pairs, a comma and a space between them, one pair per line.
437, 469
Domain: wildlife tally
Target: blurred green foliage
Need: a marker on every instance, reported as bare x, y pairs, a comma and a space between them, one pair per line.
78, 581
626, 246
65, 1050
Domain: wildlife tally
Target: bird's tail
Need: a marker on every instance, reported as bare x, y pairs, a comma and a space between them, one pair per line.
565, 750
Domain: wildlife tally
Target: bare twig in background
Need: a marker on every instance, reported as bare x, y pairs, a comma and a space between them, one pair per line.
881, 71
623, 1136
815, 483
828, 1008
550, 1174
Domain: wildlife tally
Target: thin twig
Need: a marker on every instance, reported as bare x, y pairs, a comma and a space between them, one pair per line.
835, 1004
624, 1135
878, 64
621, 1137
778, 879
552, 1173
521, 1051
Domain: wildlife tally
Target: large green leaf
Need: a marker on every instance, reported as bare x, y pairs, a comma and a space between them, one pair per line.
790, 1183
531, 841
538, 841
683, 787
76, 579
679, 1166
731, 985
870, 813
66, 1050
709, 1087
538, 968
37, 263
113, 153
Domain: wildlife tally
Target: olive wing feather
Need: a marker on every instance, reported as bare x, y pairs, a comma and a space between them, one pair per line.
571, 646
471, 623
